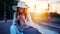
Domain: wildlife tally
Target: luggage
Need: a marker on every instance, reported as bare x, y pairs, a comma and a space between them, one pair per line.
31, 31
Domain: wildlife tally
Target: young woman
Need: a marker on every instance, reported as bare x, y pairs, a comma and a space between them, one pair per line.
20, 19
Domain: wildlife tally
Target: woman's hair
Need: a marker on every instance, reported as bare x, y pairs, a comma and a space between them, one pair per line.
24, 11
18, 13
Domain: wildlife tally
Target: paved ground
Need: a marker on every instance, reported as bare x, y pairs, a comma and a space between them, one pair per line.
44, 29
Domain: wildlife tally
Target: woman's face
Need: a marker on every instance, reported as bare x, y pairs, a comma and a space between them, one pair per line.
21, 10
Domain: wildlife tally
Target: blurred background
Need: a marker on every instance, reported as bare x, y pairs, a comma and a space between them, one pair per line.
45, 14
6, 10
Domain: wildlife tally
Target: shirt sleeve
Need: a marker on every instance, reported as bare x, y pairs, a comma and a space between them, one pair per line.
14, 18
29, 20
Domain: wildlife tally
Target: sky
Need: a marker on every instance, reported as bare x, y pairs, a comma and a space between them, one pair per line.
54, 3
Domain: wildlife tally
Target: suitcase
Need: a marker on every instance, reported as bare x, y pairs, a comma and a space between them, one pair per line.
31, 31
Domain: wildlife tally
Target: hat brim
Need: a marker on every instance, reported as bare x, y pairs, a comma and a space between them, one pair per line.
22, 6
15, 7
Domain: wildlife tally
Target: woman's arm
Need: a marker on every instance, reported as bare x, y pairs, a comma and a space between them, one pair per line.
24, 19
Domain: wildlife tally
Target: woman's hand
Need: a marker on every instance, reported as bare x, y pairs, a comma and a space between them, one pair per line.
22, 16
24, 19
18, 17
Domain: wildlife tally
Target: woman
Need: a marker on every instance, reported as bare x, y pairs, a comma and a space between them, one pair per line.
20, 20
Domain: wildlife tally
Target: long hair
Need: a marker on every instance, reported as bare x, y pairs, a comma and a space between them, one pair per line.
18, 14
